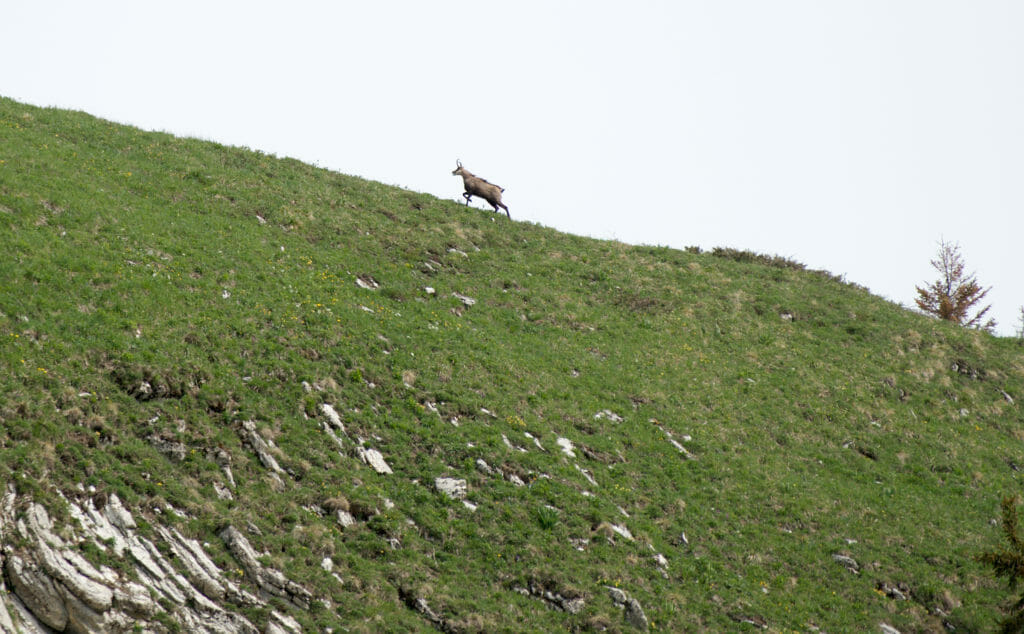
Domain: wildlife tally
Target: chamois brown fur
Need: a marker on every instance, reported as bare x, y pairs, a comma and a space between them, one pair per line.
476, 186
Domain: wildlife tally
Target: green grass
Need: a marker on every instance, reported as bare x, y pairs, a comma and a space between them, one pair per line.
823, 420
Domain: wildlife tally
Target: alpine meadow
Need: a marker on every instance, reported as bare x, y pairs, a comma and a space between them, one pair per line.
240, 393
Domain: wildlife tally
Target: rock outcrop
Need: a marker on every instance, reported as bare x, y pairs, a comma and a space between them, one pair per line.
634, 613
561, 599
452, 487
56, 578
271, 582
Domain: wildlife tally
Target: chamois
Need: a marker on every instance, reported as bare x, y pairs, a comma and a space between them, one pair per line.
476, 186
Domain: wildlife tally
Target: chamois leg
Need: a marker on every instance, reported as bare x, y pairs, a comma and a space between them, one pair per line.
468, 196
503, 207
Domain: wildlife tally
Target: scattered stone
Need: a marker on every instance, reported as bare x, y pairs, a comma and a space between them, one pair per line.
453, 488
597, 456
332, 416
579, 543
1009, 399
260, 446
891, 591
887, 629
847, 562
375, 459
574, 606
327, 564
429, 290
174, 450
420, 605
564, 600
345, 518
367, 282
222, 492
515, 479
567, 447
679, 446
324, 425
661, 560
535, 440
622, 530
508, 443
634, 612
483, 467
586, 474
223, 459
469, 505
756, 621
635, 615
610, 415
467, 301
618, 595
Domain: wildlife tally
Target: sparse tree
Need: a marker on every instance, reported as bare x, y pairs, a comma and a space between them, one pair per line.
954, 295
1009, 562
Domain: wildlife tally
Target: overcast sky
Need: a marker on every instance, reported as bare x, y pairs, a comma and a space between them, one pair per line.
848, 135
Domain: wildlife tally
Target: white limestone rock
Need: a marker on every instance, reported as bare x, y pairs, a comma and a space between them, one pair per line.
567, 447
452, 487
332, 416
375, 459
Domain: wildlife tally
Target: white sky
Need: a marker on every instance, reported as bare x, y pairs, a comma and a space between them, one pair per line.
848, 135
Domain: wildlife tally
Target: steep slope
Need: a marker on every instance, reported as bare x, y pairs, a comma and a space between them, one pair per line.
316, 402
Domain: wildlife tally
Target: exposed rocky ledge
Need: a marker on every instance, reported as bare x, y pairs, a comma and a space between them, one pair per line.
270, 581
48, 584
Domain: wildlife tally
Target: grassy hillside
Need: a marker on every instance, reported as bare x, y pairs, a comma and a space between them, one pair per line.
755, 428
